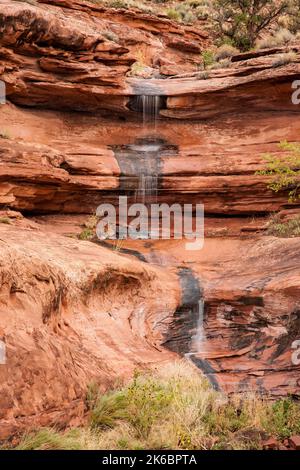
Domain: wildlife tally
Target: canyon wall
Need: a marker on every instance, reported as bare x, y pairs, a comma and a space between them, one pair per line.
74, 312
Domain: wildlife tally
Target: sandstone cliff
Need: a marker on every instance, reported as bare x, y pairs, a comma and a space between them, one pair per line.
73, 312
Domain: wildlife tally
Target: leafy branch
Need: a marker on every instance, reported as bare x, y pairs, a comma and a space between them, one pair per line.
285, 170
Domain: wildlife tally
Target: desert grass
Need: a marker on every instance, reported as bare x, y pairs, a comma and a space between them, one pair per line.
173, 407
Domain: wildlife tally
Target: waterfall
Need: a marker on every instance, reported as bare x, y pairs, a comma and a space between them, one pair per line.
147, 188
199, 335
149, 106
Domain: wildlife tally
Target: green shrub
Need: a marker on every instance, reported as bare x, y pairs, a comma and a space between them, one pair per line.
283, 419
173, 14
86, 234
285, 170
208, 58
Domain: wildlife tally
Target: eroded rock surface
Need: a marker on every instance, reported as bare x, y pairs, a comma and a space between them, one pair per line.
72, 313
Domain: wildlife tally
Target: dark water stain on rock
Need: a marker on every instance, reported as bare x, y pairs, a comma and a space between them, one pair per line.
186, 317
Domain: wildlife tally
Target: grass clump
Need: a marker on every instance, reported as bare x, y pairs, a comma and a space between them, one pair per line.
173, 408
173, 14
86, 234
284, 59
118, 4
184, 12
222, 64
5, 220
89, 228
49, 439
284, 229
281, 38
226, 51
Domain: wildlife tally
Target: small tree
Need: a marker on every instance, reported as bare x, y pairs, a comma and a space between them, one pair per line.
241, 21
285, 170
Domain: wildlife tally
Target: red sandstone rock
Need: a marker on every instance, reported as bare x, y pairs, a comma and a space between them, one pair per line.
72, 312
271, 444
282, 447
74, 51
294, 442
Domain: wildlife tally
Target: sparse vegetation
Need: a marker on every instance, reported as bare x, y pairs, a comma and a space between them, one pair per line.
208, 58
5, 220
118, 3
173, 408
225, 52
203, 75
49, 439
284, 229
139, 68
281, 38
284, 59
86, 234
243, 21
285, 170
173, 14
223, 64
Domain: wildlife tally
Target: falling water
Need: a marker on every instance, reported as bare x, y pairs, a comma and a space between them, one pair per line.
149, 106
147, 188
148, 180
199, 336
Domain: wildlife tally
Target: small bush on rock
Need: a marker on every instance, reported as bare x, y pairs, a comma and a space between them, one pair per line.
284, 59
225, 52
284, 229
285, 170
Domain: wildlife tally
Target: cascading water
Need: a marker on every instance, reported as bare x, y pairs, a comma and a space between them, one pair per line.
150, 106
148, 179
199, 336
